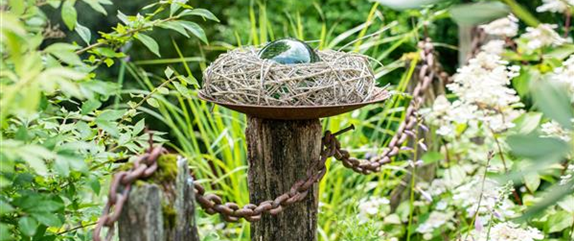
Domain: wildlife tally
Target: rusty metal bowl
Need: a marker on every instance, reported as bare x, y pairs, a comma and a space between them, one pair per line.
298, 112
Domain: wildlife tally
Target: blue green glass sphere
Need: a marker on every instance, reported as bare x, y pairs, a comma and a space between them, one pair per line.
289, 51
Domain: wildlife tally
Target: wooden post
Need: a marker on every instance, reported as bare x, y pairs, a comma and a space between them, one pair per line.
161, 208
279, 153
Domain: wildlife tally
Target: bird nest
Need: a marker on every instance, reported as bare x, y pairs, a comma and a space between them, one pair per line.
241, 77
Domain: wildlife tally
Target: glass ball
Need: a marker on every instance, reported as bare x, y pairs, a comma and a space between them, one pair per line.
289, 51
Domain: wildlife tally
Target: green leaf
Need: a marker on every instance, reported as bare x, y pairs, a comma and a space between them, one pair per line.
554, 194
68, 57
561, 52
73, 159
69, 14
109, 62
94, 183
84, 130
45, 206
175, 5
61, 47
35, 155
4, 232
188, 80
138, 128
48, 219
95, 4
149, 42
122, 17
406, 4
124, 138
567, 204
108, 126
152, 102
431, 157
163, 91
532, 181
175, 25
5, 207
182, 90
168, 72
528, 122
89, 106
522, 82
537, 148
195, 29
84, 33
28, 225
3, 181
27, 202
558, 222
199, 12
554, 102
66, 73
478, 13
17, 7
62, 167
110, 115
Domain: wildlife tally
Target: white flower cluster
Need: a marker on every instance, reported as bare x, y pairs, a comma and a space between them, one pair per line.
507, 231
542, 36
494, 47
554, 129
492, 198
555, 6
371, 207
565, 76
568, 174
483, 96
435, 220
504, 27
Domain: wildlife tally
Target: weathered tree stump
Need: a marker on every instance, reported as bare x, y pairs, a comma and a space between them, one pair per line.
280, 153
161, 208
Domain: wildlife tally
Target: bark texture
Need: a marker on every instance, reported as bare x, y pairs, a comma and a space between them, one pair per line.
166, 213
280, 153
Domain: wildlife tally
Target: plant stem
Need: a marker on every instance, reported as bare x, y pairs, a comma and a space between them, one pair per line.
521, 13
77, 227
479, 197
514, 193
129, 32
412, 190
135, 107
567, 23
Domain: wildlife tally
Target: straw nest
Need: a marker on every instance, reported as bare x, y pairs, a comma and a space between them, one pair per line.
241, 77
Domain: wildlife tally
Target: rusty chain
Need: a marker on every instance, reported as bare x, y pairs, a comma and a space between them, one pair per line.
331, 147
144, 166
231, 212
428, 72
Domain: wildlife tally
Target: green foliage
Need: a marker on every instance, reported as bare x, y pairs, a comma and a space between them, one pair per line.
478, 13
60, 138
67, 122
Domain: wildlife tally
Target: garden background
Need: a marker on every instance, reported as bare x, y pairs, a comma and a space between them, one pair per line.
85, 82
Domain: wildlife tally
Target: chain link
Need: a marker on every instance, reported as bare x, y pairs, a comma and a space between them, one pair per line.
144, 166
231, 212
406, 129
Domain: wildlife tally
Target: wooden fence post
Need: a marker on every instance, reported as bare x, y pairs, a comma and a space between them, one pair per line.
280, 153
161, 211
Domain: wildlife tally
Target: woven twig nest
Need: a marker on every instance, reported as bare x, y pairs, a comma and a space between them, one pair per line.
241, 77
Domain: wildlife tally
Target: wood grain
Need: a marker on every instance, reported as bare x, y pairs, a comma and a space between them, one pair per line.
280, 153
